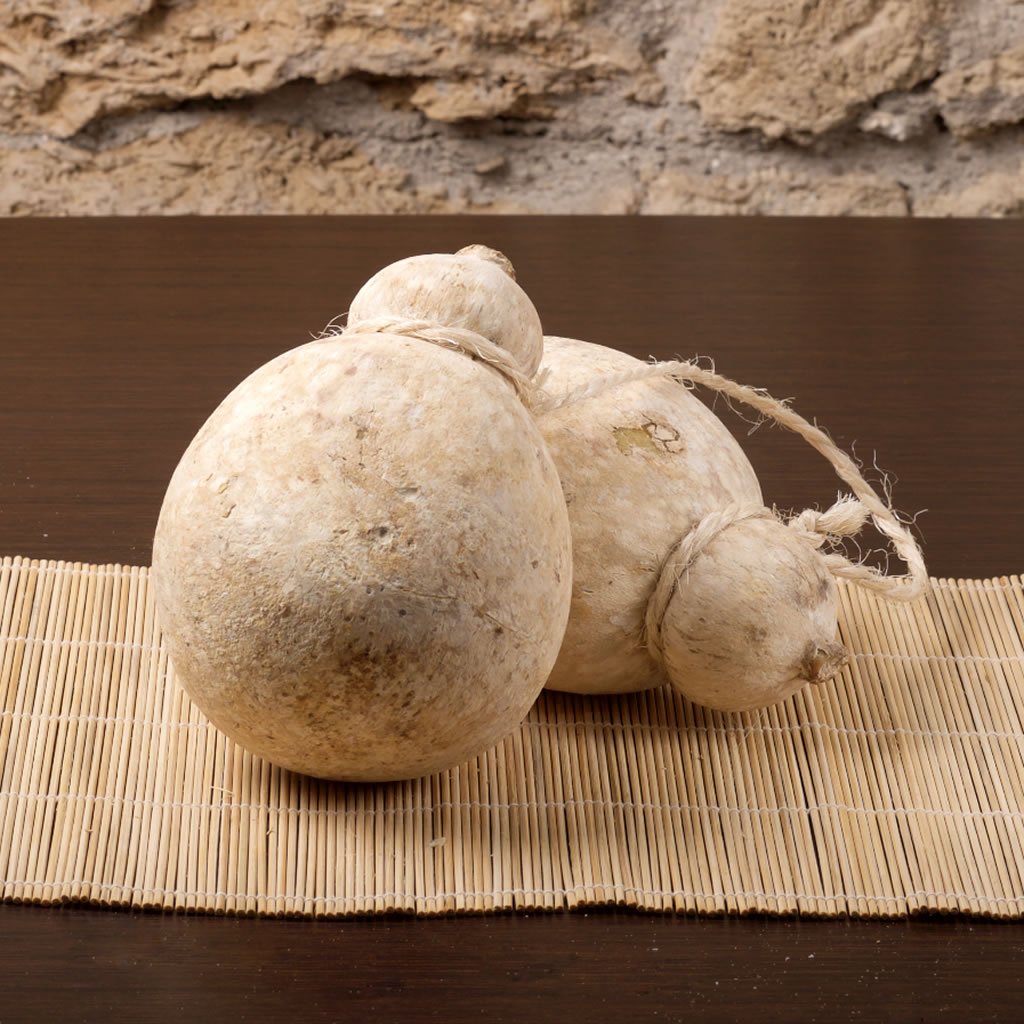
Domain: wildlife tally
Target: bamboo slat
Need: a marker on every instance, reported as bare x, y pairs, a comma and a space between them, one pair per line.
895, 790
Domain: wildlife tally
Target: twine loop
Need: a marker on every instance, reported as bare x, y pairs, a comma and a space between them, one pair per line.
460, 339
843, 519
680, 557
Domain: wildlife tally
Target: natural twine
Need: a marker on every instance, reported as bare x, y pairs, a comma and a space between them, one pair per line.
474, 345
843, 519
680, 558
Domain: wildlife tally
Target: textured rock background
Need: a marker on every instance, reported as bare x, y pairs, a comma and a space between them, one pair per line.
886, 107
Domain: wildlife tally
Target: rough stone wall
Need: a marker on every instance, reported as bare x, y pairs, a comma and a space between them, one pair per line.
886, 107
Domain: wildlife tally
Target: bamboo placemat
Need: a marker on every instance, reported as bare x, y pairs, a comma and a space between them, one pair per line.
896, 789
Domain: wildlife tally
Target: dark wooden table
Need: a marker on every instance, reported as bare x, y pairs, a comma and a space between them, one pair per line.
118, 337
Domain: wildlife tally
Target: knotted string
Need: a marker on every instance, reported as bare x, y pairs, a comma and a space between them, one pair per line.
843, 519
680, 558
474, 345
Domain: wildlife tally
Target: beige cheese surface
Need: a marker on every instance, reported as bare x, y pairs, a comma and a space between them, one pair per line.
363, 560
640, 464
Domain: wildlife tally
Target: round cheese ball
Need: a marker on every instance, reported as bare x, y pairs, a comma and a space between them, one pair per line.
473, 288
681, 575
362, 565
753, 619
640, 464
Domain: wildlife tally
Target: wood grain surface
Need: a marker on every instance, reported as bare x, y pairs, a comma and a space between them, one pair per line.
71, 964
118, 337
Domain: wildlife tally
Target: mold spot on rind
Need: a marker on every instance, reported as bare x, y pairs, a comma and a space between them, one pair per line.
756, 634
629, 438
651, 435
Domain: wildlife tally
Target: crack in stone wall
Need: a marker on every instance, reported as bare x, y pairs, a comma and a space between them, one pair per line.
869, 107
